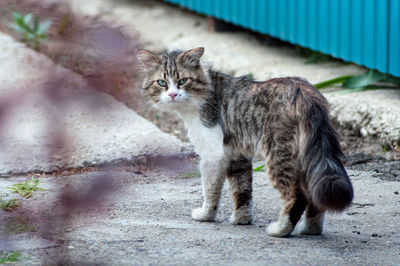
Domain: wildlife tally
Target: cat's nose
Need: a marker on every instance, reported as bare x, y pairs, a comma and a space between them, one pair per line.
172, 95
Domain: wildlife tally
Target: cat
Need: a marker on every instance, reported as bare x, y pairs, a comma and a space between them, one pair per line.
232, 120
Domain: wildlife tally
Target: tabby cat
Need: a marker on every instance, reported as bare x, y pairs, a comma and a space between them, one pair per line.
231, 120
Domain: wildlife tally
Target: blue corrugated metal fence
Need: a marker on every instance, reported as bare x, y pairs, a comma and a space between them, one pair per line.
366, 32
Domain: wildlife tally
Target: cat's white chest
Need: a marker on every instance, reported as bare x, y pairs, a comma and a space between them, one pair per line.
208, 142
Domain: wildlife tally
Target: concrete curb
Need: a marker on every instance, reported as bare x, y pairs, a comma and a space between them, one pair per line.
375, 114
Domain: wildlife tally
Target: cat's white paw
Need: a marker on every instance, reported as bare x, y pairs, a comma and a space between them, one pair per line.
242, 216
310, 227
280, 228
201, 214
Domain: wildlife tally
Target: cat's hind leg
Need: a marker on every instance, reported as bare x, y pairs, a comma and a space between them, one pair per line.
240, 178
313, 222
213, 177
290, 214
283, 177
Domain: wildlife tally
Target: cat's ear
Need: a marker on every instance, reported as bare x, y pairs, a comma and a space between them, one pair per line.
193, 56
147, 60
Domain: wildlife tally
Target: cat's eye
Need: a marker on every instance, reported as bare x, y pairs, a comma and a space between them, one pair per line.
182, 81
162, 83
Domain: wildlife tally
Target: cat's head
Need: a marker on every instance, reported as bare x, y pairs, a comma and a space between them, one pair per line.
176, 80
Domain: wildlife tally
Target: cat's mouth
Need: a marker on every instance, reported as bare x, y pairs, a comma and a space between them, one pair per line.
175, 101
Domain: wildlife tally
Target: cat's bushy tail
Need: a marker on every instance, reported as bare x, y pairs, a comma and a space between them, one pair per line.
328, 183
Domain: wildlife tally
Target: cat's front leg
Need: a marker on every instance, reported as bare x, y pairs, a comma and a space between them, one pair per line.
212, 179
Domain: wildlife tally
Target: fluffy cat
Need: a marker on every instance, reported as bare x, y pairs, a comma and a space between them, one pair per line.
231, 120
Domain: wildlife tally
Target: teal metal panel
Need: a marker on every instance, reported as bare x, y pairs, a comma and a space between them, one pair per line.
382, 40
345, 30
394, 38
313, 23
369, 33
293, 17
366, 32
282, 19
253, 18
356, 33
303, 36
272, 18
261, 9
334, 24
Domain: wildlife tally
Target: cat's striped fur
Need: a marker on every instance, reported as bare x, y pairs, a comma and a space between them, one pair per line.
231, 120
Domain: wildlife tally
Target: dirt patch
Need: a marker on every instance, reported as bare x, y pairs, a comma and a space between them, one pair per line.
365, 154
378, 165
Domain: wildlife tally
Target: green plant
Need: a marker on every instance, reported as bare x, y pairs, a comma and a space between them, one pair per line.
19, 225
259, 169
9, 257
33, 31
250, 76
192, 174
26, 189
331, 82
369, 80
9, 205
385, 148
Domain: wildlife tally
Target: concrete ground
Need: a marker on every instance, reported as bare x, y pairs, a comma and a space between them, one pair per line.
144, 219
125, 215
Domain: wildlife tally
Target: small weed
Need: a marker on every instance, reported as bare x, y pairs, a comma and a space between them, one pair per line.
9, 257
369, 80
64, 22
33, 31
26, 189
331, 82
385, 148
19, 225
250, 76
192, 174
259, 169
9, 205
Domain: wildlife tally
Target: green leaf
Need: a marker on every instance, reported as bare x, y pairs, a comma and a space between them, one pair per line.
331, 82
43, 27
259, 169
15, 27
21, 26
36, 23
9, 257
392, 79
30, 36
17, 16
27, 188
363, 80
27, 19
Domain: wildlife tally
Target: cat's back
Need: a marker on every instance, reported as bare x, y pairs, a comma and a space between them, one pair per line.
287, 92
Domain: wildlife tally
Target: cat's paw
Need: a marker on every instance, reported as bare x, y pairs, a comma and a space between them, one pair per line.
306, 228
243, 217
201, 214
280, 228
